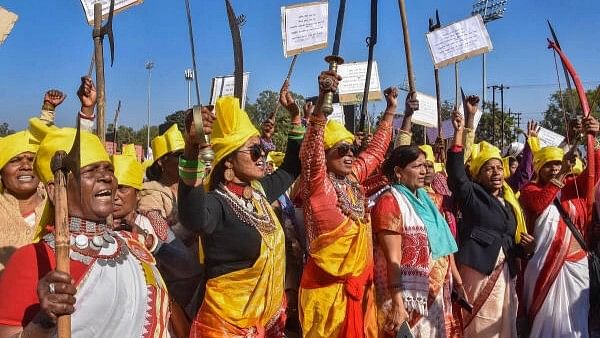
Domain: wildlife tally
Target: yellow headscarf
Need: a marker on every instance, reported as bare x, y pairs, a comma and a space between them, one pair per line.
481, 153
92, 150
171, 141
231, 129
276, 157
15, 144
578, 167
426, 148
335, 132
506, 165
545, 155
128, 170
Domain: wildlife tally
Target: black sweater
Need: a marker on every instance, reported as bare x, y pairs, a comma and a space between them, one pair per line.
229, 244
486, 225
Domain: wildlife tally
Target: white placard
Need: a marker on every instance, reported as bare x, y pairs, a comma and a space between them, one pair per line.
548, 138
459, 41
7, 22
427, 114
353, 82
120, 5
304, 27
225, 85
338, 113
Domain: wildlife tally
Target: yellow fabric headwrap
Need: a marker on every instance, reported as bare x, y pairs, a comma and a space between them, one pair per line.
171, 141
506, 166
426, 148
545, 155
231, 129
276, 157
128, 170
481, 153
335, 132
15, 144
578, 167
92, 150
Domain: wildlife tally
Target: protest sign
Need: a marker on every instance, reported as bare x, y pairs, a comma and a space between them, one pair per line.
304, 27
224, 86
7, 22
120, 5
458, 41
352, 86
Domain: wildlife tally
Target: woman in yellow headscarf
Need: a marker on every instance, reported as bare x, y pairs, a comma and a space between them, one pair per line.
22, 198
491, 234
556, 283
336, 290
242, 238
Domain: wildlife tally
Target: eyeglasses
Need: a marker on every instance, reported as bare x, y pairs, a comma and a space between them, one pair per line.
256, 152
344, 148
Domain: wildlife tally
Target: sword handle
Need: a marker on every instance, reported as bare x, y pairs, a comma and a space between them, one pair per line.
333, 61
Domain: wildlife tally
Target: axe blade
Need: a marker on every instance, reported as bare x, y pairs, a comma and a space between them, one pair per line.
109, 31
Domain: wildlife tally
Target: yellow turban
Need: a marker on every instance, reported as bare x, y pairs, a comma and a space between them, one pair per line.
439, 167
335, 132
92, 150
481, 153
545, 155
169, 142
128, 170
276, 157
426, 148
231, 129
15, 144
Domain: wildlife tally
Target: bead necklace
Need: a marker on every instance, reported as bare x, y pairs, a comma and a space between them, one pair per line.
88, 239
245, 210
355, 210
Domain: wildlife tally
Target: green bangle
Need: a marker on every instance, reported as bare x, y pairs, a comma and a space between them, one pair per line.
191, 175
189, 163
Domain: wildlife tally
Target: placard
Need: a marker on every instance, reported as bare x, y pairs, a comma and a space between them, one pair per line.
459, 41
352, 86
304, 27
338, 114
427, 114
7, 22
225, 85
120, 5
548, 138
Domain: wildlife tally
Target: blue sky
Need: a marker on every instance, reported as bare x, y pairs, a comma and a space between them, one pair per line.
51, 45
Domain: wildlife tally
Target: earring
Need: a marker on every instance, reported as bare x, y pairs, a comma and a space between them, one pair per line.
229, 175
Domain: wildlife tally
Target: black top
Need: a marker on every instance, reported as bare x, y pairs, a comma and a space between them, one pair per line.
229, 244
486, 224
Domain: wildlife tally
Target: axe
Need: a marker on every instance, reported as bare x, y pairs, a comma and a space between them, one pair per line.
98, 34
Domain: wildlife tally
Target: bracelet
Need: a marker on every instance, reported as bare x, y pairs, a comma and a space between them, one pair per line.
557, 183
321, 122
85, 117
48, 106
183, 163
191, 169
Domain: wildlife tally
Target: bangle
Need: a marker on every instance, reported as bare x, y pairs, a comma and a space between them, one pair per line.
557, 183
191, 169
48, 106
318, 121
86, 117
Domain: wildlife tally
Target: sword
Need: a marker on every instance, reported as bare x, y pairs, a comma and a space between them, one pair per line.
238, 55
98, 34
371, 41
206, 153
334, 59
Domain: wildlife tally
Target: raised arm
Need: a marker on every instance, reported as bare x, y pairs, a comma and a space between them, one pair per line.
469, 130
524, 171
405, 133
458, 182
368, 160
52, 99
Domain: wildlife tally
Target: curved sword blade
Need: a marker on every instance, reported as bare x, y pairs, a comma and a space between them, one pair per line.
238, 53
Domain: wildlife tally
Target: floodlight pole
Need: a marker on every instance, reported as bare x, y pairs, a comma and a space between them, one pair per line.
149, 65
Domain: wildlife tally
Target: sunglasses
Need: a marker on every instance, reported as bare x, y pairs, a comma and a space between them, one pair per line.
256, 152
344, 148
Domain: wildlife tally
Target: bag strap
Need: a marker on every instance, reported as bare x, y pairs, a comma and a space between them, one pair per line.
576, 233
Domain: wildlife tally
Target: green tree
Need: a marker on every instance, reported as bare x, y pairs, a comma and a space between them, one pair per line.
177, 117
5, 129
264, 106
485, 131
554, 116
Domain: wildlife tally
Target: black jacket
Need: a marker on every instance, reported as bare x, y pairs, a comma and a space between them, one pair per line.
486, 224
230, 244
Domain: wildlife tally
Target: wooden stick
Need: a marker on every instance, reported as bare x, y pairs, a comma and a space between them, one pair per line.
61, 232
407, 49
99, 59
